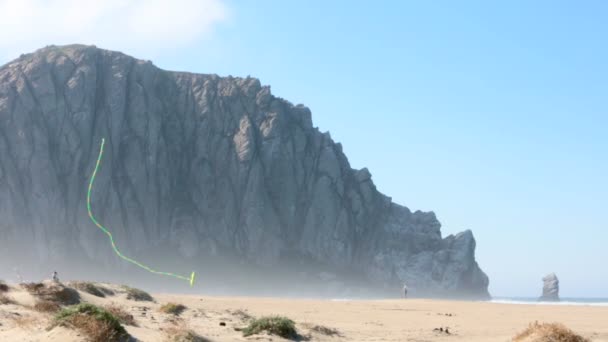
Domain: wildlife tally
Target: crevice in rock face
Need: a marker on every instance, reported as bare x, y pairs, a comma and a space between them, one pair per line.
172, 174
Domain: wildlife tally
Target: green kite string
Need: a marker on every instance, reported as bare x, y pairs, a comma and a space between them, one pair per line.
107, 232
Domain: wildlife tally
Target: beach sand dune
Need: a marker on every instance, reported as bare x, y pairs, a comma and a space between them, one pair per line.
316, 320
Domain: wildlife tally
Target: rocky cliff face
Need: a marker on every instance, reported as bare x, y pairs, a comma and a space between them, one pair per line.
207, 166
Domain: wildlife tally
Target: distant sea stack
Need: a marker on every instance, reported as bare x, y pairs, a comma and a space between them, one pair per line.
198, 169
550, 289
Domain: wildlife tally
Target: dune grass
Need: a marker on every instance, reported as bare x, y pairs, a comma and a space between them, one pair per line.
548, 332
4, 300
172, 308
321, 329
26, 321
46, 306
276, 325
241, 314
181, 333
98, 324
91, 288
137, 294
54, 292
119, 312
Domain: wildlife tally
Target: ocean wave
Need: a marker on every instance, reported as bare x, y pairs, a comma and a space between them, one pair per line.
582, 302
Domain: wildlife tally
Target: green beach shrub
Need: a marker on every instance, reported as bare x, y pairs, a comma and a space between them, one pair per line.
276, 325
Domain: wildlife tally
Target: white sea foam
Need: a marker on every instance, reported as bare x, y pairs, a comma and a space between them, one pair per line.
582, 302
526, 301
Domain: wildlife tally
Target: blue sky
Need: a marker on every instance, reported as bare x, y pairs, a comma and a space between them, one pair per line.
491, 114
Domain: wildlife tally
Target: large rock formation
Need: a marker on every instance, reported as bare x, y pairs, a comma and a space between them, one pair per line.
197, 167
550, 288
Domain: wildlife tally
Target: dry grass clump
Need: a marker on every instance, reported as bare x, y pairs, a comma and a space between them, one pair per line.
96, 323
548, 332
181, 333
46, 306
25, 322
172, 308
243, 315
321, 329
123, 316
96, 330
3, 287
4, 300
138, 295
91, 288
55, 292
276, 325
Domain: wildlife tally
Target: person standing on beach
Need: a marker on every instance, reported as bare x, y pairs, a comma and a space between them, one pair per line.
404, 291
55, 277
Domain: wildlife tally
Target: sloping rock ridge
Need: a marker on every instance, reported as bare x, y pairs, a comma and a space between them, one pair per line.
209, 166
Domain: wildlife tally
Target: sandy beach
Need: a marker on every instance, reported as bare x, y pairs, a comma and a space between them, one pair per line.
353, 320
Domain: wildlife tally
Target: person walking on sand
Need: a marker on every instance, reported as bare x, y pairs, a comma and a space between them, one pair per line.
55, 277
404, 291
